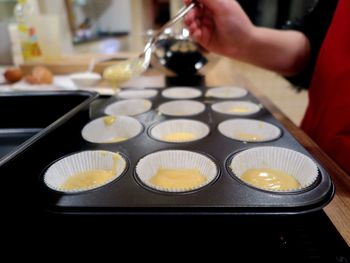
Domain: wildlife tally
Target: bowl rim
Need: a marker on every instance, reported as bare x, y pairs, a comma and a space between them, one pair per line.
89, 76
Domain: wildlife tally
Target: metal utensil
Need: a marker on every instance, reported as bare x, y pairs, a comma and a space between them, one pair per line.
125, 70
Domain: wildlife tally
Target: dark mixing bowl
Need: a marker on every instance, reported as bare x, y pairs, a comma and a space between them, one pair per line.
181, 57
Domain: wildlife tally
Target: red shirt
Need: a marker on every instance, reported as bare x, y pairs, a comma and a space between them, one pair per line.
327, 119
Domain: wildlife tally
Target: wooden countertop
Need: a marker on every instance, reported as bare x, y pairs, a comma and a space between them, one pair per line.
339, 208
77, 63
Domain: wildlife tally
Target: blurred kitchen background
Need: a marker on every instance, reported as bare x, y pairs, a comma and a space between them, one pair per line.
110, 26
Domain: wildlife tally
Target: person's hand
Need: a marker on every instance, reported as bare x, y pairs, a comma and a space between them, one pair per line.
220, 26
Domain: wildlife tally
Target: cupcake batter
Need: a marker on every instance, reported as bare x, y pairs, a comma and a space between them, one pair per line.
270, 179
179, 137
178, 178
227, 93
240, 109
109, 120
118, 139
91, 179
87, 179
249, 136
123, 71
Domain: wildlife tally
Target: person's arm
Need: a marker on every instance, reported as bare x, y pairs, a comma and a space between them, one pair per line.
314, 24
286, 52
221, 26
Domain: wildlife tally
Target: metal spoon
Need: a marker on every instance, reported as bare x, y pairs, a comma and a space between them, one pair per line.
127, 69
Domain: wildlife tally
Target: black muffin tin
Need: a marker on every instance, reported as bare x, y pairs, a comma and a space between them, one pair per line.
26, 117
127, 195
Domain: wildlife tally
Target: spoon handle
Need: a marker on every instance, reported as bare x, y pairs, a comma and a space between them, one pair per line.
181, 13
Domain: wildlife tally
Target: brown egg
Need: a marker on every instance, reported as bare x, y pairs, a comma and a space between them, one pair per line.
31, 79
43, 75
13, 75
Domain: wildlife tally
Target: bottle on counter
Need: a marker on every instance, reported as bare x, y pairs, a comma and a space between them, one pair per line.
27, 33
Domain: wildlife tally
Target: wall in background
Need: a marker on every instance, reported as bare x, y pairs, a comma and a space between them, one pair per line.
58, 8
104, 16
142, 19
6, 11
114, 18
5, 45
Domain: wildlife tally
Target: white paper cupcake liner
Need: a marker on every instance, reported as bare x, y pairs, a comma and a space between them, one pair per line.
137, 94
196, 128
149, 165
181, 93
122, 129
226, 92
182, 108
238, 108
295, 164
60, 171
128, 107
249, 130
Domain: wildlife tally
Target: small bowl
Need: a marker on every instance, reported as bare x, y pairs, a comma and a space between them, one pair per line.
85, 79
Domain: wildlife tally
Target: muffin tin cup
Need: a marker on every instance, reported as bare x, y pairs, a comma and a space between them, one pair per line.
237, 108
128, 107
179, 129
149, 165
181, 93
226, 92
181, 108
247, 130
57, 174
137, 94
121, 129
295, 164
